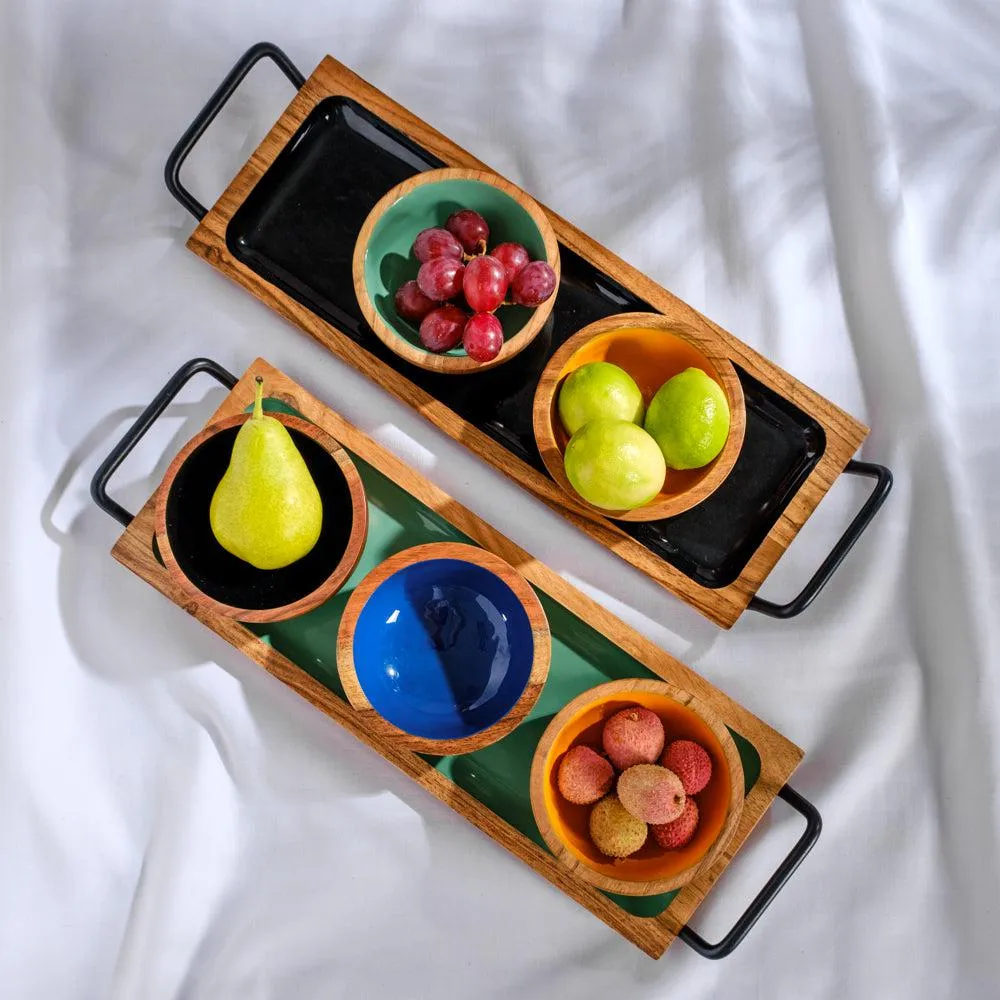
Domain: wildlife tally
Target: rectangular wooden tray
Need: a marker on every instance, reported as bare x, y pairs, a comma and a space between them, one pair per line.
286, 227
589, 645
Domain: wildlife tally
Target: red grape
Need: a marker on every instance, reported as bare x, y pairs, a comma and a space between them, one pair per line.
436, 242
513, 256
534, 283
470, 229
441, 278
483, 337
411, 303
442, 328
484, 283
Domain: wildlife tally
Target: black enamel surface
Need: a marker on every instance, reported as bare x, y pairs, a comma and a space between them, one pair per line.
297, 229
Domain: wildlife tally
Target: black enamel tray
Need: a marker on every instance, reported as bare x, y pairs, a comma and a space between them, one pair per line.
297, 229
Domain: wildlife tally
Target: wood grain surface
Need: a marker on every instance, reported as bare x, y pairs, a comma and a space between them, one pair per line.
722, 605
616, 690
543, 414
450, 364
779, 757
542, 642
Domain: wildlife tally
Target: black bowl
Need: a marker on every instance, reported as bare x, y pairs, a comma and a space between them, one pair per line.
216, 578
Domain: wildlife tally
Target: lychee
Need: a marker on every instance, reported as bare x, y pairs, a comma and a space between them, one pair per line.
614, 830
633, 736
670, 836
584, 776
651, 793
690, 762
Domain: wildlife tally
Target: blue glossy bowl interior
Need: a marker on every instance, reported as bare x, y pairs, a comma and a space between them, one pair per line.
443, 649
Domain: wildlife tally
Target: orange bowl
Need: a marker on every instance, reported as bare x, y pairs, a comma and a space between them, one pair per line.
565, 826
652, 348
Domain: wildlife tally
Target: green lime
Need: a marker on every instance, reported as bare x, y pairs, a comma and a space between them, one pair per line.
598, 391
689, 418
614, 464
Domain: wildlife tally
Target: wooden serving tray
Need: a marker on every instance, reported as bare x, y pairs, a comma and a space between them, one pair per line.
489, 787
285, 229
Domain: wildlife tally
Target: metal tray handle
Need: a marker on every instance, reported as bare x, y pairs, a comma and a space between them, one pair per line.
805, 597
774, 885
205, 117
145, 420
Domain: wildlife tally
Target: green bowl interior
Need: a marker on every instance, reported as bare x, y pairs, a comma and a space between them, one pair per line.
389, 262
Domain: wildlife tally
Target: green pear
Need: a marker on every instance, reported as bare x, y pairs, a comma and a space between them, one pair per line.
266, 510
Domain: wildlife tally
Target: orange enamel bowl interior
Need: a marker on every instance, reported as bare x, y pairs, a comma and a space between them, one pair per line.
570, 822
652, 356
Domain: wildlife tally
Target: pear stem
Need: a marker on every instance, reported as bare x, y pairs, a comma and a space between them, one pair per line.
258, 402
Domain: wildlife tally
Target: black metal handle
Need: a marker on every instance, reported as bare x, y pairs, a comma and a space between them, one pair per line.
774, 885
805, 597
145, 420
205, 117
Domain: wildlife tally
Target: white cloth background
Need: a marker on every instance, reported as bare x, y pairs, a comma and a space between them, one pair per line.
823, 179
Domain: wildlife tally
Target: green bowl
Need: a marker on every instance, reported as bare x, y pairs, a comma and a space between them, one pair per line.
383, 261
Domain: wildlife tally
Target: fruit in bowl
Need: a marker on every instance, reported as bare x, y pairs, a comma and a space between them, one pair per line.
651, 793
632, 736
461, 284
614, 830
599, 390
464, 238
689, 419
266, 509
673, 381
637, 797
619, 449
614, 464
585, 776
609, 804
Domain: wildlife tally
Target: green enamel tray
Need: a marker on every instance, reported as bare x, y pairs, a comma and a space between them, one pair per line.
583, 656
581, 659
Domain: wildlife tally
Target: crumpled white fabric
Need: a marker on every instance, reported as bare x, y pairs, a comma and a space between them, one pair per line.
823, 179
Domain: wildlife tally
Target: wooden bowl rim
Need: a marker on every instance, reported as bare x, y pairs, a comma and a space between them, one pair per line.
606, 692
339, 574
702, 337
446, 363
540, 634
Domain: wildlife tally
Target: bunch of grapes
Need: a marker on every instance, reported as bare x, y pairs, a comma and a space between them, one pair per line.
454, 264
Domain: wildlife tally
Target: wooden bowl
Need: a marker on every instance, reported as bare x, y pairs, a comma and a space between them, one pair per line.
218, 581
444, 648
652, 349
383, 261
564, 826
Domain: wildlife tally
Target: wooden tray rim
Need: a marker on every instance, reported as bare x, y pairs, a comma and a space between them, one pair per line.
723, 605
779, 757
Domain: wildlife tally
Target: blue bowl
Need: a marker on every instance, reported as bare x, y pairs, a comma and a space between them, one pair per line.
444, 649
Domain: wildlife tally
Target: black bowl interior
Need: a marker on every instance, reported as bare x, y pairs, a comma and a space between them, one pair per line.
222, 576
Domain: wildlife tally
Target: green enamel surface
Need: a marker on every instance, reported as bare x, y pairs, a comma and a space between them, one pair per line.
389, 263
582, 658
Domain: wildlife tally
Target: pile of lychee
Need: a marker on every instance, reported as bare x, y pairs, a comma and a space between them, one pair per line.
639, 788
